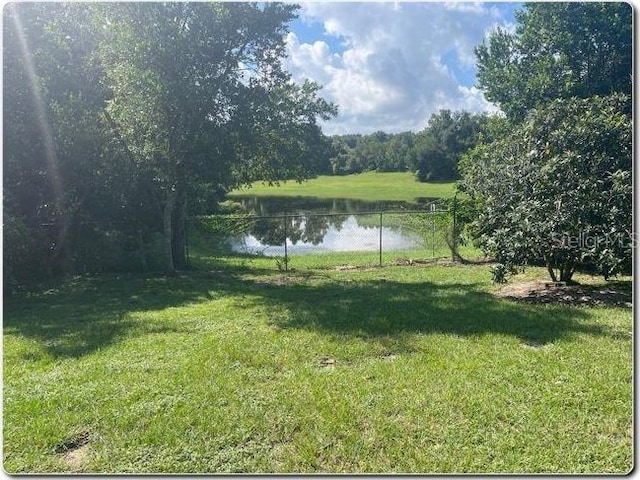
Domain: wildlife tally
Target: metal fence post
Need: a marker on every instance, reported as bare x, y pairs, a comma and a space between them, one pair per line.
433, 230
380, 237
454, 235
286, 257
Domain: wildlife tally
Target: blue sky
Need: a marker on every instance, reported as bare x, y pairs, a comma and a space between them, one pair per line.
389, 66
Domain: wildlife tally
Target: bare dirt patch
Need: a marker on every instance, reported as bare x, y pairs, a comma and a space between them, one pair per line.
327, 362
346, 267
281, 280
77, 459
441, 261
359, 268
75, 451
424, 261
276, 281
389, 357
548, 292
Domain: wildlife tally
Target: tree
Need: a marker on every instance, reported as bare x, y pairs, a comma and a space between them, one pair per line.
399, 152
558, 189
440, 146
53, 135
379, 151
199, 96
559, 50
432, 163
553, 179
119, 116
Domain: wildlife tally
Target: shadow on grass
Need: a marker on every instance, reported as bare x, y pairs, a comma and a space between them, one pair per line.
385, 308
90, 313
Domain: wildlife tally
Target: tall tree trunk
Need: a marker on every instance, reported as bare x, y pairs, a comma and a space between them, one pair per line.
552, 273
567, 272
167, 215
142, 251
179, 231
60, 259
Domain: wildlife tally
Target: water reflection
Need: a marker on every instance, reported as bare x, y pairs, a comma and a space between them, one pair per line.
341, 236
274, 205
312, 226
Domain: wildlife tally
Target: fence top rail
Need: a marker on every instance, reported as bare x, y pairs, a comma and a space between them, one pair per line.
311, 214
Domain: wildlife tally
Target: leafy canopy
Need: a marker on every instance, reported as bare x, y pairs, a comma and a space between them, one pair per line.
558, 189
121, 116
558, 50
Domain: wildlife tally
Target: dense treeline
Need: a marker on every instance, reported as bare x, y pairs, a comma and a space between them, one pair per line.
120, 119
433, 153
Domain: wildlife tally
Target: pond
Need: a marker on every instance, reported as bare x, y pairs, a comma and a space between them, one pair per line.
312, 225
276, 205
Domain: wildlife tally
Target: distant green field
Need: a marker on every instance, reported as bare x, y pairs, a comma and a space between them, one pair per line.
373, 186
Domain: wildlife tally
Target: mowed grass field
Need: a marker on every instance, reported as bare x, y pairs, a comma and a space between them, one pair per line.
372, 186
237, 368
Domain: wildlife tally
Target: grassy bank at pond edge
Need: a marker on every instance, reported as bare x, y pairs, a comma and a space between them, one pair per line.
236, 368
372, 186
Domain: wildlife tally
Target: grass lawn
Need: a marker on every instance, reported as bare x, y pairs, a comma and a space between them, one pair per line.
237, 368
372, 186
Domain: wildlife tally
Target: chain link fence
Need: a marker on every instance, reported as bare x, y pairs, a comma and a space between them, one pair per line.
329, 240
283, 242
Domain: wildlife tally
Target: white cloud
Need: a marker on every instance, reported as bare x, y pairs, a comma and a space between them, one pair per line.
473, 101
472, 7
390, 74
